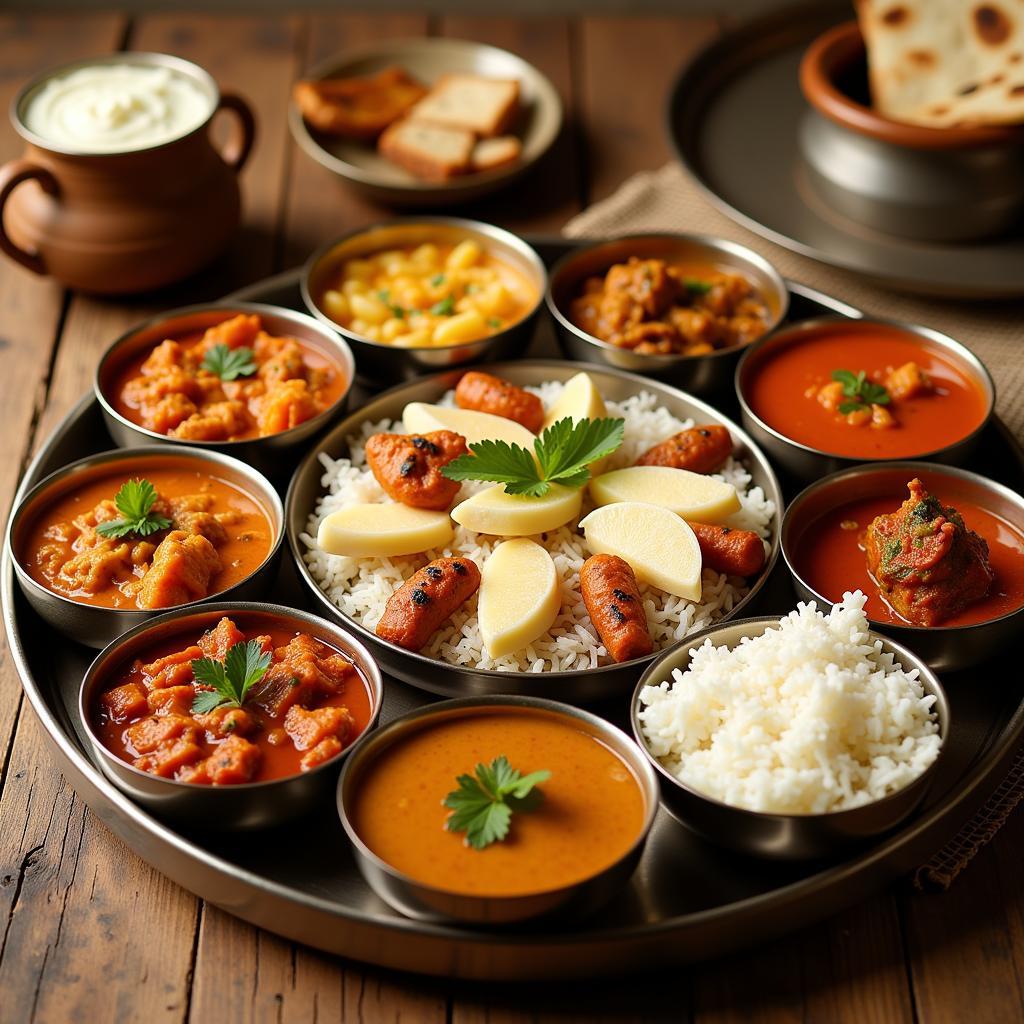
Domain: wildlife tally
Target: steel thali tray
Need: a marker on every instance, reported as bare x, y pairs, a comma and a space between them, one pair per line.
688, 900
734, 117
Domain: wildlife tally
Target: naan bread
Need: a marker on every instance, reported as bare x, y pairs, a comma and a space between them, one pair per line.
945, 63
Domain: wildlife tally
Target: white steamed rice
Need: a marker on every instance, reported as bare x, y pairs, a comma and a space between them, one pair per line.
807, 718
360, 587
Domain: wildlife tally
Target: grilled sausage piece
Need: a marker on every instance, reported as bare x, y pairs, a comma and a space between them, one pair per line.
612, 597
485, 393
734, 552
426, 599
699, 449
408, 466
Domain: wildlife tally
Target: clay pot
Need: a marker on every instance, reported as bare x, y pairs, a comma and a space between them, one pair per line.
118, 223
928, 184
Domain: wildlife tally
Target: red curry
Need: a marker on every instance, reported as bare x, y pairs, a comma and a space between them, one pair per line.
270, 385
311, 704
830, 556
790, 391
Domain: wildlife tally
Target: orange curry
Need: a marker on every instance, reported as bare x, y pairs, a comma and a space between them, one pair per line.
592, 810
310, 705
218, 535
231, 383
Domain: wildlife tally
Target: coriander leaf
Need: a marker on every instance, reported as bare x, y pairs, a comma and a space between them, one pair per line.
483, 805
229, 363
500, 463
494, 321
695, 285
437, 280
566, 449
860, 389
874, 394
443, 308
244, 665
847, 407
847, 379
134, 501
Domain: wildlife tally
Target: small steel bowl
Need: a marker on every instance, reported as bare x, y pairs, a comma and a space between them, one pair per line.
701, 375
584, 685
274, 454
93, 625
784, 836
380, 362
425, 903
246, 805
805, 462
944, 648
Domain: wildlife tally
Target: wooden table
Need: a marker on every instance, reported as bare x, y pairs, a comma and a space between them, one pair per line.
89, 931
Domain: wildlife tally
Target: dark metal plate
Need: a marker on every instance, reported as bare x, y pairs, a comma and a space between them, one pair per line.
734, 115
688, 899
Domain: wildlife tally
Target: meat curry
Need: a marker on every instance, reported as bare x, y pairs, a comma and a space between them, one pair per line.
310, 704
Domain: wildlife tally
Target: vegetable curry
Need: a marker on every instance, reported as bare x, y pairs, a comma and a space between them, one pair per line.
208, 535
591, 813
306, 704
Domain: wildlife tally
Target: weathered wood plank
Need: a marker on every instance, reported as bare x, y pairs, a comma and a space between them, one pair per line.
628, 66
552, 192
318, 205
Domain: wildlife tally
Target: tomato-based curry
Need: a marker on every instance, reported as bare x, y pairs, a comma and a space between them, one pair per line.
592, 810
217, 536
232, 382
310, 705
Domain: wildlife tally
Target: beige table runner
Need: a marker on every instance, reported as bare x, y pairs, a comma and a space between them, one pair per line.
667, 200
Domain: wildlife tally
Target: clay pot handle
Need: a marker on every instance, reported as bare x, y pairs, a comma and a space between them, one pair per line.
12, 174
238, 147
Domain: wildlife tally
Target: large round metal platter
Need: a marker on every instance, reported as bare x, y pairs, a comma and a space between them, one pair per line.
576, 686
734, 117
687, 901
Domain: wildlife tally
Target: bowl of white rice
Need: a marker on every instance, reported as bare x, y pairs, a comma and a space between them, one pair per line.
569, 662
792, 737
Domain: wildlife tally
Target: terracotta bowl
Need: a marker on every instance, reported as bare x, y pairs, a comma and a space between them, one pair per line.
929, 184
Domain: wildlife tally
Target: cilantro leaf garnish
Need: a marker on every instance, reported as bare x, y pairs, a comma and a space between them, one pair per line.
229, 363
244, 665
443, 308
494, 321
859, 390
697, 286
483, 805
134, 501
561, 456
437, 280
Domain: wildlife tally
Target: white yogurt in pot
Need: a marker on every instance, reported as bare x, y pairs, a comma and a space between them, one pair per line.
114, 108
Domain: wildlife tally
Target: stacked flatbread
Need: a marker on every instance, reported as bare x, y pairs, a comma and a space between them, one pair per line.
945, 63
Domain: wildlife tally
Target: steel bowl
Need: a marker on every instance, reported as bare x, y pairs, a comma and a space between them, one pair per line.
274, 454
702, 375
578, 685
807, 463
944, 648
426, 903
380, 362
784, 836
95, 626
246, 805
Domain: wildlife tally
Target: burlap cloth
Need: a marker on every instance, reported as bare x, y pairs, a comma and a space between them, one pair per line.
667, 200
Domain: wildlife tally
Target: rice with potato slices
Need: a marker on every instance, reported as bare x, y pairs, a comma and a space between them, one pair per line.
807, 718
360, 587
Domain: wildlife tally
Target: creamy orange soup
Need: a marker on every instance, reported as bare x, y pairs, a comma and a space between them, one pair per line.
592, 812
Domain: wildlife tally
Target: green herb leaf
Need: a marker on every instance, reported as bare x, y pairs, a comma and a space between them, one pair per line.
483, 805
562, 455
857, 387
443, 308
231, 679
229, 363
437, 280
695, 285
134, 501
848, 407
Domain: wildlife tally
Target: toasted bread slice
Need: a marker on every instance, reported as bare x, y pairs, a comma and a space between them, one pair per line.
487, 106
357, 108
427, 150
497, 152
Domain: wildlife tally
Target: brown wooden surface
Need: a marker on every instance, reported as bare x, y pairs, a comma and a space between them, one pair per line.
90, 932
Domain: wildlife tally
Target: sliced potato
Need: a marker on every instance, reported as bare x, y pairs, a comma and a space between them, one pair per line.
579, 400
500, 514
519, 596
384, 531
420, 418
658, 544
690, 495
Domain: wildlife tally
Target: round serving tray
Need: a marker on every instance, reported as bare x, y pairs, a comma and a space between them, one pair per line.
688, 900
734, 116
